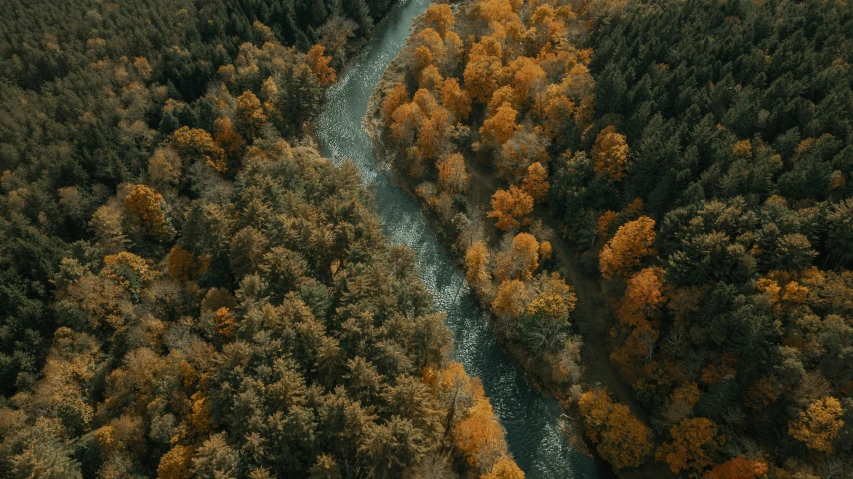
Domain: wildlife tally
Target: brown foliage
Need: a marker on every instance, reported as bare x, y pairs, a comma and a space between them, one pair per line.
319, 64
620, 438
631, 243
818, 425
610, 153
510, 208
694, 441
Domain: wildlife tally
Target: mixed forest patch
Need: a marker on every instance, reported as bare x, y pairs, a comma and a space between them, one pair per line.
697, 155
188, 289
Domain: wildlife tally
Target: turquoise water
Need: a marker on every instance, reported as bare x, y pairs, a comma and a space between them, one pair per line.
530, 419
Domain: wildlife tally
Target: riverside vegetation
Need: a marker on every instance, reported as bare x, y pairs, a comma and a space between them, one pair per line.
188, 289
696, 158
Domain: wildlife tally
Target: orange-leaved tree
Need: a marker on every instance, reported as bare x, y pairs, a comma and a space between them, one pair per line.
452, 175
536, 183
477, 266
511, 208
737, 468
819, 424
632, 242
500, 127
455, 99
620, 438
694, 441
146, 206
319, 64
610, 153
520, 260
643, 297
394, 98
505, 468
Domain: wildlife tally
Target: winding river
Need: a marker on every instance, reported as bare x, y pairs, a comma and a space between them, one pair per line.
530, 419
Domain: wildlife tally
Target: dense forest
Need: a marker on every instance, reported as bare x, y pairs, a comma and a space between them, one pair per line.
694, 157
188, 288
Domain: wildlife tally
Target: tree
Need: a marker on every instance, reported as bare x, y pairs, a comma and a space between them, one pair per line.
439, 17
481, 76
249, 115
643, 297
146, 207
610, 153
319, 64
394, 98
477, 266
184, 266
620, 438
523, 149
818, 425
196, 144
452, 175
510, 208
500, 127
407, 122
536, 183
737, 468
480, 436
164, 166
430, 78
694, 441
430, 50
505, 468
176, 463
632, 242
511, 299
520, 261
455, 99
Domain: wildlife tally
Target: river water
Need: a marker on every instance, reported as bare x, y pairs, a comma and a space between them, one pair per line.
529, 418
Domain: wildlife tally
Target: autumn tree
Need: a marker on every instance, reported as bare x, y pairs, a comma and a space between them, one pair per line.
510, 208
407, 121
249, 115
319, 64
430, 50
394, 98
620, 438
452, 175
737, 468
536, 183
196, 144
484, 69
511, 299
500, 127
523, 149
477, 266
610, 153
480, 436
146, 207
632, 242
184, 266
546, 319
455, 99
520, 260
819, 424
643, 297
439, 17
505, 468
694, 441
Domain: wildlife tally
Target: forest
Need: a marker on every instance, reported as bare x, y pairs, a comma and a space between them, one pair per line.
691, 161
189, 289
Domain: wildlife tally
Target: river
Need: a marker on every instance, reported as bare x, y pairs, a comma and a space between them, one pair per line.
529, 418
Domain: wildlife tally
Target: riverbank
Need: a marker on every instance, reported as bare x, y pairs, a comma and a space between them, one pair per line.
591, 318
